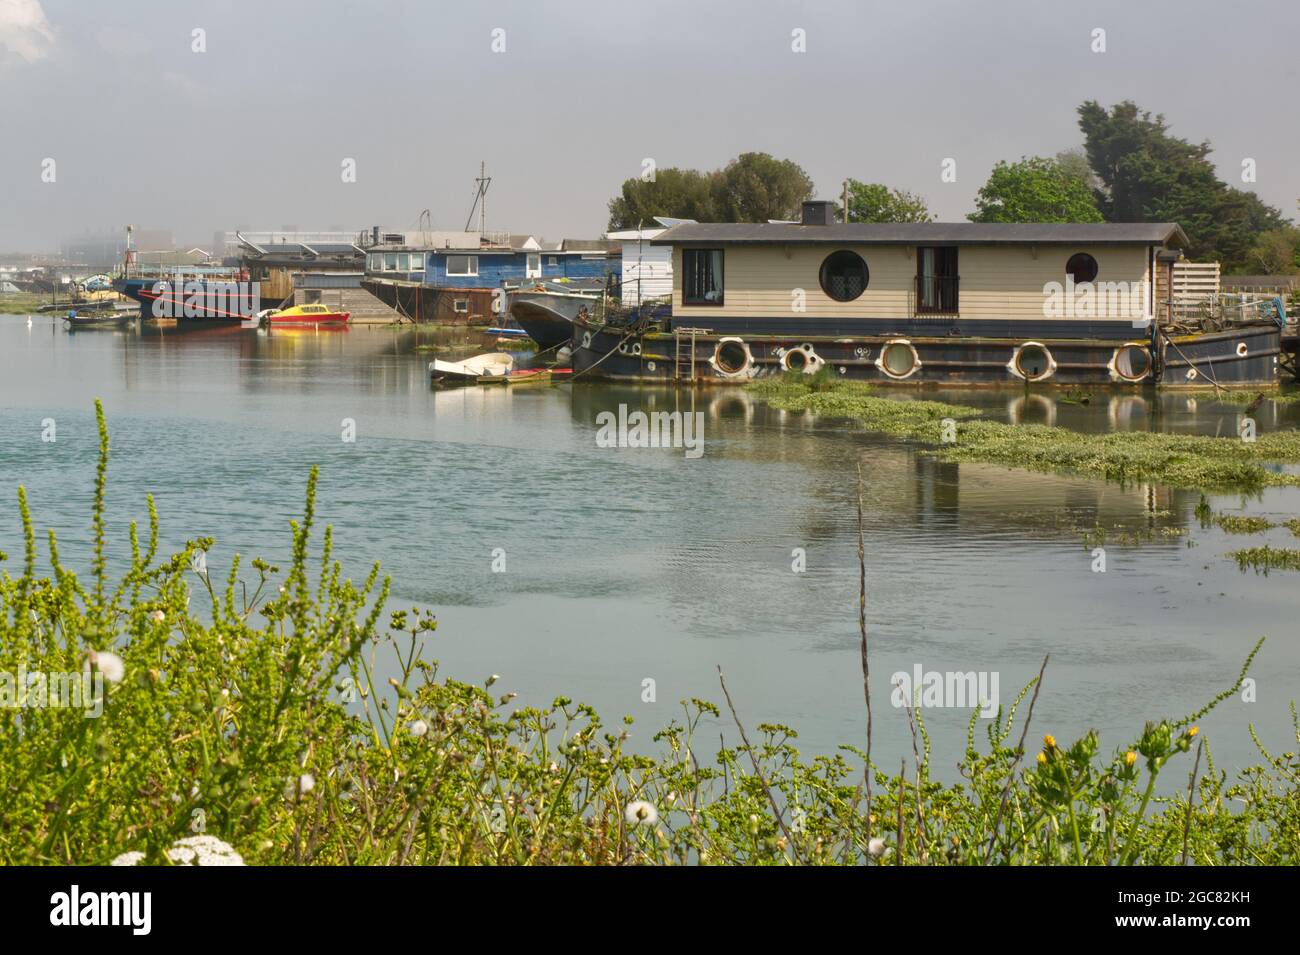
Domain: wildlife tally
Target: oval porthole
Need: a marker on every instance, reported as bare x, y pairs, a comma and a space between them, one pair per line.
1131, 362
649, 366
731, 357
1241, 349
1032, 362
844, 275
898, 359
1081, 267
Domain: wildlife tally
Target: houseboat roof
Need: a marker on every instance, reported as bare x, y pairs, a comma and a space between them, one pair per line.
926, 233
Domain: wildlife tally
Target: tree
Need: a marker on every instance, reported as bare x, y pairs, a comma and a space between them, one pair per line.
1035, 190
1150, 175
754, 187
1276, 252
757, 187
875, 202
680, 193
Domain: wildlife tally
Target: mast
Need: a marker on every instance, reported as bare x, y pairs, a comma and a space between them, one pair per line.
480, 199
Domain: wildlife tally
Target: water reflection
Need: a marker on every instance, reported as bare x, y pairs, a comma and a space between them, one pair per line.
628, 563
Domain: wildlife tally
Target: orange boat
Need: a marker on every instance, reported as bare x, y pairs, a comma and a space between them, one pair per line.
308, 315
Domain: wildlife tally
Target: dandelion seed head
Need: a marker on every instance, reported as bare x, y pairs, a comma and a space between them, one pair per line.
640, 813
109, 664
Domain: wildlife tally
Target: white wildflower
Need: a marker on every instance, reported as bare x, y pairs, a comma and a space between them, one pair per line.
640, 813
192, 850
418, 728
875, 848
109, 664
157, 616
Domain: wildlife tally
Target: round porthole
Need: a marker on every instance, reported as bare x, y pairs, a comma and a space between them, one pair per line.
1081, 267
1131, 362
731, 357
898, 359
1032, 362
1241, 349
649, 366
844, 275
804, 359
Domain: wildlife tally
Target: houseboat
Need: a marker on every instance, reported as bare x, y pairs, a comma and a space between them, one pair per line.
925, 303
268, 272
463, 278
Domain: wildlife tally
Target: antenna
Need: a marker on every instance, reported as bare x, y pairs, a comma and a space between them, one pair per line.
480, 199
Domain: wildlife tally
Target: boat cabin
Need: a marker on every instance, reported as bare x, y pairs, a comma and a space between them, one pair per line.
973, 279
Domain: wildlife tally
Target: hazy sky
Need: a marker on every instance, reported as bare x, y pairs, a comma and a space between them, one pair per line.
253, 132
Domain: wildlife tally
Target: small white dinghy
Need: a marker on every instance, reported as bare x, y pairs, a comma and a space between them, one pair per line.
493, 363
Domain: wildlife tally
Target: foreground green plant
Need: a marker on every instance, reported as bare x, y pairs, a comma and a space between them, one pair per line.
266, 720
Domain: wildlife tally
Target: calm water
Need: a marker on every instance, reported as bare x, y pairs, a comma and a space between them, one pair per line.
635, 564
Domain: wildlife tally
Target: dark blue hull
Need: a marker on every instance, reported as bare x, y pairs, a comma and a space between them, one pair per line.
735, 351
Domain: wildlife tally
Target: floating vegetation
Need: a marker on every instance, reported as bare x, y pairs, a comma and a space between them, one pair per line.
1179, 460
1264, 559
1293, 525
1249, 396
1241, 524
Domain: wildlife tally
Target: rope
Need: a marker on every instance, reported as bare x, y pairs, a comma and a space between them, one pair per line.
1192, 364
631, 331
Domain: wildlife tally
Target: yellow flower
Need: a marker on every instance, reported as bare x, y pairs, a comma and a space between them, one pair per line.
1130, 758
1049, 741
1042, 759
1193, 731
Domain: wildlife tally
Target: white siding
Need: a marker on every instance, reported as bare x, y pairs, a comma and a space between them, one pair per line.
647, 272
1002, 281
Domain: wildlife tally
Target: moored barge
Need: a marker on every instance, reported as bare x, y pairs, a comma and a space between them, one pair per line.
924, 303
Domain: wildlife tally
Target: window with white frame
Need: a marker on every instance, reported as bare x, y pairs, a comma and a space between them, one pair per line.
462, 265
390, 261
460, 305
417, 262
534, 265
403, 262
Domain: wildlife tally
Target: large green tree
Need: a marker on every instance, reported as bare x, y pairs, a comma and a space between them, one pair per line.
1150, 175
876, 202
757, 187
753, 187
680, 193
1035, 190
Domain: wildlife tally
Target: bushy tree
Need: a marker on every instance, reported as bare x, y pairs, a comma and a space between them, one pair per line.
1150, 175
680, 193
876, 202
1035, 190
753, 187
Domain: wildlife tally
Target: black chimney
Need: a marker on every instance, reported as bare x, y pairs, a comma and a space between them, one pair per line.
818, 212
